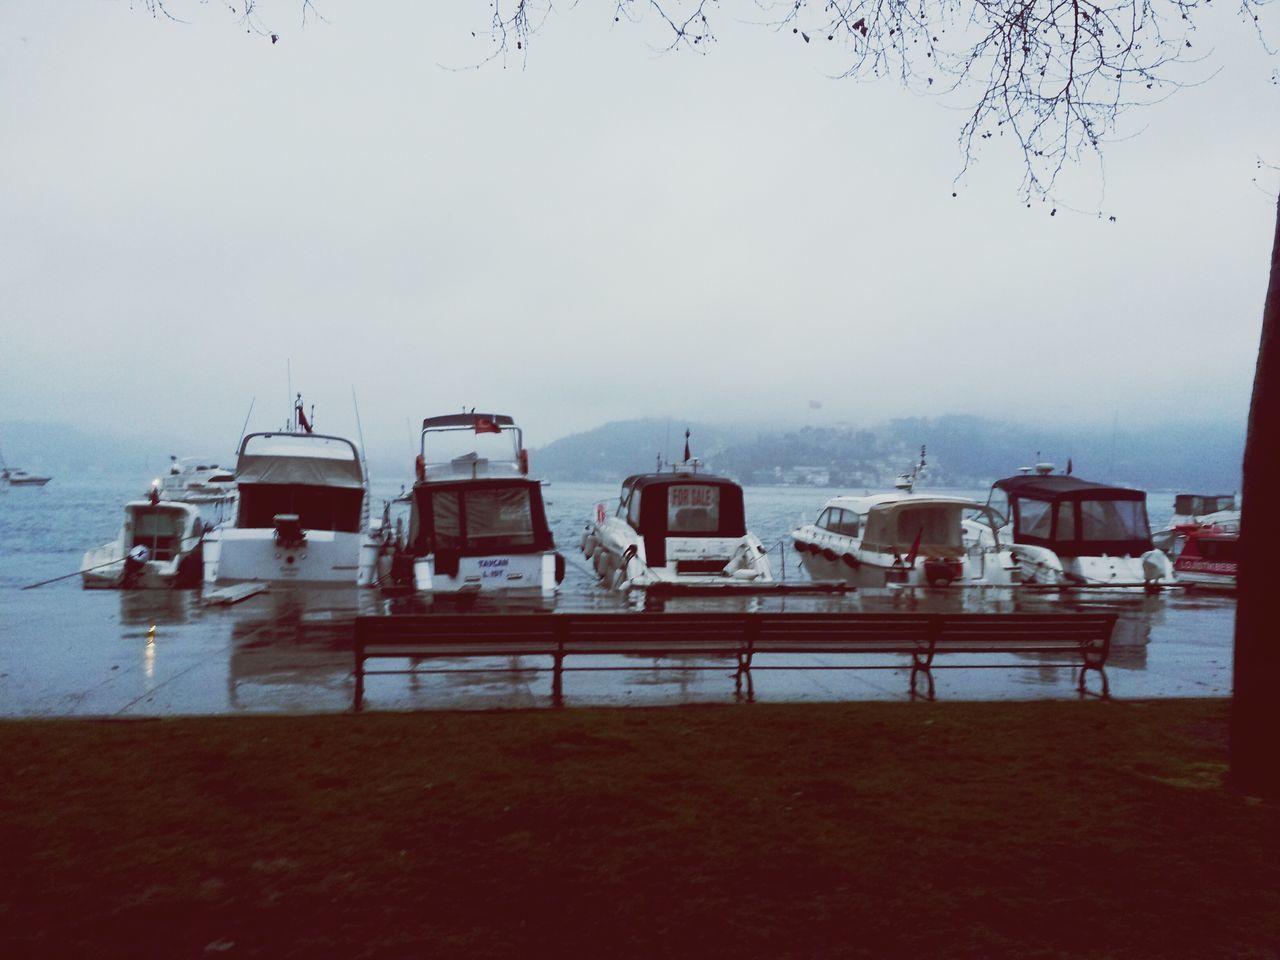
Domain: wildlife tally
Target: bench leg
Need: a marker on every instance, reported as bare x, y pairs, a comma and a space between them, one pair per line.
557, 680
922, 665
1094, 657
359, 698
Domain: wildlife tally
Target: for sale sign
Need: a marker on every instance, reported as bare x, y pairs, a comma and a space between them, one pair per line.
693, 508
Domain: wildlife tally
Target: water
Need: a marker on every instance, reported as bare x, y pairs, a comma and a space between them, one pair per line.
67, 651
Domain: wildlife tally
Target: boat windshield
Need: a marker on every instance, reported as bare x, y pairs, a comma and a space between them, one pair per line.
479, 519
1113, 520
933, 527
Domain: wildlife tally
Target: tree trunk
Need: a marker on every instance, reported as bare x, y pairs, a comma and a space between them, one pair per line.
1255, 708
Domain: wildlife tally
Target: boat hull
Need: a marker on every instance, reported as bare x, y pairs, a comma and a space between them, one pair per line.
235, 555
525, 573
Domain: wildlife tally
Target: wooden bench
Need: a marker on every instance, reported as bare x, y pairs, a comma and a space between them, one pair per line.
1082, 640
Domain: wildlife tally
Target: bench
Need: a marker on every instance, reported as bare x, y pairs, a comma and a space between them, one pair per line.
1081, 639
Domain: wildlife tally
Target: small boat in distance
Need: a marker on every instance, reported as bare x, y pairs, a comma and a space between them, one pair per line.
160, 545
673, 530
302, 515
903, 538
1067, 532
477, 522
13, 477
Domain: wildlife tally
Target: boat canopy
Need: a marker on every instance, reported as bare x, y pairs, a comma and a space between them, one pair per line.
661, 505
895, 527
479, 518
310, 459
1074, 517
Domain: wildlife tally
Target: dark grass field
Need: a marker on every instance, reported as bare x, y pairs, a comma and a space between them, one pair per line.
1086, 829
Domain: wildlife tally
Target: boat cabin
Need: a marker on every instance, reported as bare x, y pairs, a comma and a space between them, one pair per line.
662, 505
473, 518
1073, 517
316, 478
161, 529
1198, 505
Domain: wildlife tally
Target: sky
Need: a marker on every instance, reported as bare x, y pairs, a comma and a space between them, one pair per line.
194, 218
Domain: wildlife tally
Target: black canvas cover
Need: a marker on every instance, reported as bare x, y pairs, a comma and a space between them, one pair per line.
1077, 518
477, 518
318, 507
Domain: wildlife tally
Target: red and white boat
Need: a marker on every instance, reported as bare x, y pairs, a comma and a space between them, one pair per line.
1208, 557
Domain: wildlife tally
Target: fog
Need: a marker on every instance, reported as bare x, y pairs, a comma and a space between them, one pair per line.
196, 219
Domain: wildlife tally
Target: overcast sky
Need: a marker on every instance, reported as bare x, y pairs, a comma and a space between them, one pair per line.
600, 233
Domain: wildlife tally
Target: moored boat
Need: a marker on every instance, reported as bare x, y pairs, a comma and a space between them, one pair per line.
1209, 557
675, 530
200, 481
477, 522
302, 515
160, 545
903, 538
1067, 532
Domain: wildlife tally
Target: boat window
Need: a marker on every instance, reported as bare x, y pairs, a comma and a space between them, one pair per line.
999, 502
1221, 550
447, 520
1066, 521
502, 513
633, 511
318, 507
936, 526
693, 508
1034, 518
824, 519
1113, 520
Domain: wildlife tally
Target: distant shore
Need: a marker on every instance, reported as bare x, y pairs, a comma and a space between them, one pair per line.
963, 829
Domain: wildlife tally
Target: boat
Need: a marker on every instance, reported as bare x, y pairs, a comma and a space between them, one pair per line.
904, 538
676, 529
1192, 511
302, 515
1208, 557
160, 545
1067, 532
477, 522
200, 481
13, 477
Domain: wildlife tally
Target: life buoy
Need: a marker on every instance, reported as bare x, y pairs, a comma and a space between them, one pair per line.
420, 467
850, 561
829, 554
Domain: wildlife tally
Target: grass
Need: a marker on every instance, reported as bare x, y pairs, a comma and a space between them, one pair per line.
943, 830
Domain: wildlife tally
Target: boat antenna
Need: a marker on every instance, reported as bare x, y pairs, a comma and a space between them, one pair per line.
245, 425
364, 456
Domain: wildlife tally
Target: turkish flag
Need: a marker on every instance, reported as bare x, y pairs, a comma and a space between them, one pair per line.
915, 547
485, 425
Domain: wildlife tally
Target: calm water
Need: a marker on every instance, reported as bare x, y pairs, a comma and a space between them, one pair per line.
67, 651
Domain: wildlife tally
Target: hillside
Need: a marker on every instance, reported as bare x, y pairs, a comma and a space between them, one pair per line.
962, 451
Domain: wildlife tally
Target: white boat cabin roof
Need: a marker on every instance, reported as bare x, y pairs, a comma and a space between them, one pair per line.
863, 505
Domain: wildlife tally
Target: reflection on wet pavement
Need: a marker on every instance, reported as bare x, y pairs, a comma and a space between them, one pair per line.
67, 652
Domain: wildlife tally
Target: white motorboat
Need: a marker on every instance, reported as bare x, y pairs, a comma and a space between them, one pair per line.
202, 482
1067, 532
903, 538
673, 530
160, 545
13, 477
302, 515
477, 522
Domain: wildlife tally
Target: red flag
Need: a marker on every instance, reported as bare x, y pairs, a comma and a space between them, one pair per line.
1068, 466
303, 422
915, 548
485, 425
686, 446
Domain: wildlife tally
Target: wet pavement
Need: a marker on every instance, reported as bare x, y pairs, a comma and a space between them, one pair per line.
66, 652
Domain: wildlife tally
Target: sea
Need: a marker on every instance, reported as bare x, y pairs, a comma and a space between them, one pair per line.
65, 651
